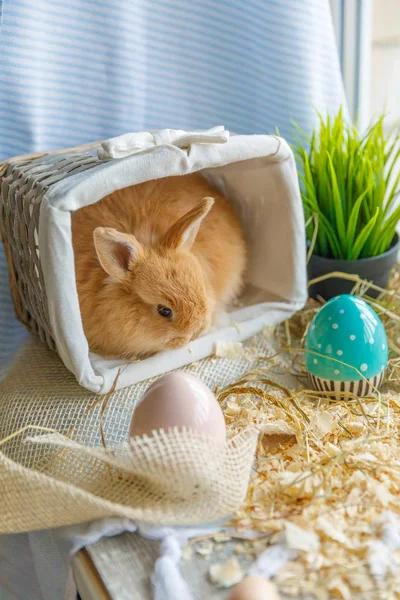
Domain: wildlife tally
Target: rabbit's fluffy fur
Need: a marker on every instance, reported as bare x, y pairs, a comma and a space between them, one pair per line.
154, 264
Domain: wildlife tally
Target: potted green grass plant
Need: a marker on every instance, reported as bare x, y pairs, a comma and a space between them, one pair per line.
349, 189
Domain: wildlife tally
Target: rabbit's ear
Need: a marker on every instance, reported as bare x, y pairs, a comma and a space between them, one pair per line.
183, 233
117, 252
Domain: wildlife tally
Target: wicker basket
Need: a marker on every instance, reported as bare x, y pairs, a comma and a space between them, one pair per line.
35, 187
24, 180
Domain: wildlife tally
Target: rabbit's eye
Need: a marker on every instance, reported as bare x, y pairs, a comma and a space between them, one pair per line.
164, 311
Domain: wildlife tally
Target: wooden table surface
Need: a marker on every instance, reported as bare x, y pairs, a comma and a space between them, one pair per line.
120, 568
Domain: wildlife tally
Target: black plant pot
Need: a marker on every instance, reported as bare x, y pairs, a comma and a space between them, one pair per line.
375, 269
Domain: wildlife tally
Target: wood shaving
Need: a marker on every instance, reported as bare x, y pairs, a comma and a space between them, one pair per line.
228, 349
205, 548
222, 537
300, 539
333, 530
238, 326
324, 423
226, 574
279, 427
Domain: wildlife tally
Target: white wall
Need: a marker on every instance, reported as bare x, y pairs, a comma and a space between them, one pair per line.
385, 59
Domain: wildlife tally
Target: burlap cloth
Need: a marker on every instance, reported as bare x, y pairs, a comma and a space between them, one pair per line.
44, 485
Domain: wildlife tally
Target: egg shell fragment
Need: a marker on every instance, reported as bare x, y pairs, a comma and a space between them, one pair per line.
179, 400
346, 329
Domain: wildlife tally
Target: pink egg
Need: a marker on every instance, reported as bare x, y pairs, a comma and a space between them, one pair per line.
254, 588
179, 400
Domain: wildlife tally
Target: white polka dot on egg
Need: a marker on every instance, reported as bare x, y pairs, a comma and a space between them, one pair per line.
337, 371
335, 326
341, 311
363, 367
315, 361
352, 337
320, 346
339, 352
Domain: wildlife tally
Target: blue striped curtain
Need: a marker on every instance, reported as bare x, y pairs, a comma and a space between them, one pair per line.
78, 71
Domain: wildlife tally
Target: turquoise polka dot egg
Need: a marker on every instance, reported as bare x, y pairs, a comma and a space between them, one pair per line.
349, 330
